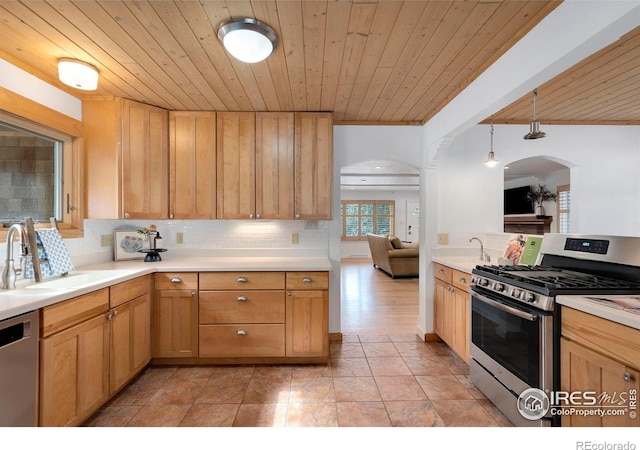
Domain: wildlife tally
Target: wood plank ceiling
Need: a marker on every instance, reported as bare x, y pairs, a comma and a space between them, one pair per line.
367, 61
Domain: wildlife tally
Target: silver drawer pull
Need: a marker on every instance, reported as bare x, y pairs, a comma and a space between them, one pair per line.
441, 271
242, 298
176, 280
307, 280
241, 332
463, 280
627, 376
242, 279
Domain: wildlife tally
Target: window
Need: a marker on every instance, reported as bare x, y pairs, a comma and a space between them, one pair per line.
564, 208
360, 217
32, 171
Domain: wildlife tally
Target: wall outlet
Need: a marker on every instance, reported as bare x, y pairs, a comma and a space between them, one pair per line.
443, 238
179, 238
294, 238
106, 240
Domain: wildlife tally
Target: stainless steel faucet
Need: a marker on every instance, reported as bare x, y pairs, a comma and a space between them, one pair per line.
483, 256
10, 273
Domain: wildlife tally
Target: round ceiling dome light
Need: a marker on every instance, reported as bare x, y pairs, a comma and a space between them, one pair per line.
248, 40
78, 74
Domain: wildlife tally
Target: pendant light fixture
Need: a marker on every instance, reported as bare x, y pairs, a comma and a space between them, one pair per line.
248, 40
492, 161
534, 131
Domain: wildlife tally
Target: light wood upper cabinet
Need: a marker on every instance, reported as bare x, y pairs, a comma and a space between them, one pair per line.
192, 162
313, 166
145, 161
274, 165
126, 159
236, 184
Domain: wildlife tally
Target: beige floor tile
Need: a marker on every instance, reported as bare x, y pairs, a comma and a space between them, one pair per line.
350, 338
312, 390
466, 382
312, 415
455, 364
346, 350
177, 391
413, 349
312, 371
463, 413
267, 390
426, 365
413, 414
192, 373
261, 415
350, 367
223, 390
400, 387
112, 416
363, 414
443, 387
375, 338
218, 415
159, 416
273, 371
405, 338
152, 378
388, 366
356, 389
495, 413
132, 395
379, 349
232, 371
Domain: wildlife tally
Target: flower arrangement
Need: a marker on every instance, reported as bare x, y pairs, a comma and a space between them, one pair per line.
148, 231
541, 194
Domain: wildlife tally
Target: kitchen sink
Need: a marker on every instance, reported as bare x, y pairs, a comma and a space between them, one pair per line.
79, 278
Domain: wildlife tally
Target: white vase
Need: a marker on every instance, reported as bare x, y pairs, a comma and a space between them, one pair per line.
539, 211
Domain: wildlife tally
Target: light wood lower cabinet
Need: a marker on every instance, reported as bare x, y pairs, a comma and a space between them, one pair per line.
451, 309
175, 315
602, 358
74, 359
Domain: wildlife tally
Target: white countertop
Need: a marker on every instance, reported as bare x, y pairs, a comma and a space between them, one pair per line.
582, 303
29, 296
463, 263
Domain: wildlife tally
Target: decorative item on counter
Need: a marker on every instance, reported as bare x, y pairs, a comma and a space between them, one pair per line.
539, 195
148, 234
153, 248
531, 251
514, 248
126, 244
157, 241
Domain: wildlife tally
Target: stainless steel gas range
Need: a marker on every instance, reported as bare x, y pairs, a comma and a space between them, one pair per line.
515, 327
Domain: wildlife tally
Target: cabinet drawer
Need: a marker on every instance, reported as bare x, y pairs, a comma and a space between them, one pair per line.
123, 292
241, 280
176, 280
242, 340
461, 280
442, 272
220, 307
73, 311
307, 280
609, 338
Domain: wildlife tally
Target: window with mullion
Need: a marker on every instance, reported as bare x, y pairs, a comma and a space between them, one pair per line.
358, 218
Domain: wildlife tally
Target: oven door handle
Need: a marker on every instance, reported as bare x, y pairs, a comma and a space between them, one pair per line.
505, 308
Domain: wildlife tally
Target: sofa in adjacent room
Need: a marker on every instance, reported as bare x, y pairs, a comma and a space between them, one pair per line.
394, 257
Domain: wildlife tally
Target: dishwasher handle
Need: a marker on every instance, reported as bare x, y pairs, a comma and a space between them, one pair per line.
14, 333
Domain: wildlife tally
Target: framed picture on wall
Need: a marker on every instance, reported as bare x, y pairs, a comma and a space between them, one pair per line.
126, 244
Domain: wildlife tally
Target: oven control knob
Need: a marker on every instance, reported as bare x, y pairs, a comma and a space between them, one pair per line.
498, 287
529, 297
516, 293
483, 282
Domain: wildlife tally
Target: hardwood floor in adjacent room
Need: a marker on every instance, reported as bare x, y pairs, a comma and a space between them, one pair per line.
374, 303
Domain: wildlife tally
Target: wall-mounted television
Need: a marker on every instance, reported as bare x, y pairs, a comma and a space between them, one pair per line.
516, 201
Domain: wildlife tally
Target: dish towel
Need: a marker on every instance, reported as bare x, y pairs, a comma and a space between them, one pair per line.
53, 251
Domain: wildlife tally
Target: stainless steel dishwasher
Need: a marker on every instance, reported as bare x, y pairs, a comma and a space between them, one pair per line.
18, 370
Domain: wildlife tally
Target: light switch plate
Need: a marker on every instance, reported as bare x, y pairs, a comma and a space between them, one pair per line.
294, 238
443, 238
179, 238
106, 240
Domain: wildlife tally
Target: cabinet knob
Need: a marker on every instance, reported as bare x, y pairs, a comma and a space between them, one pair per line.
307, 280
126, 215
297, 216
176, 280
109, 316
463, 280
193, 293
250, 216
242, 298
258, 216
170, 216
627, 376
115, 313
242, 279
241, 332
441, 271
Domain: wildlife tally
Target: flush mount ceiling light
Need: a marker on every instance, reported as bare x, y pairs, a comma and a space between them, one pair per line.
492, 161
534, 130
248, 40
78, 74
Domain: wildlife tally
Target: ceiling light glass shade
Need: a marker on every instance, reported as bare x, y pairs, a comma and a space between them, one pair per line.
247, 39
534, 129
78, 74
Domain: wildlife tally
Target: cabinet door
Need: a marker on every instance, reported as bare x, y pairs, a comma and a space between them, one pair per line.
313, 166
236, 165
145, 162
461, 323
443, 311
307, 323
192, 162
175, 330
274, 165
130, 340
74, 373
583, 370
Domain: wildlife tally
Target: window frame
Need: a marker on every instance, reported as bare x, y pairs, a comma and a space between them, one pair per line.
343, 217
567, 211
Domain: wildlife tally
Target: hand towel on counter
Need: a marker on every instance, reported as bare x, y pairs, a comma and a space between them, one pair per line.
53, 252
